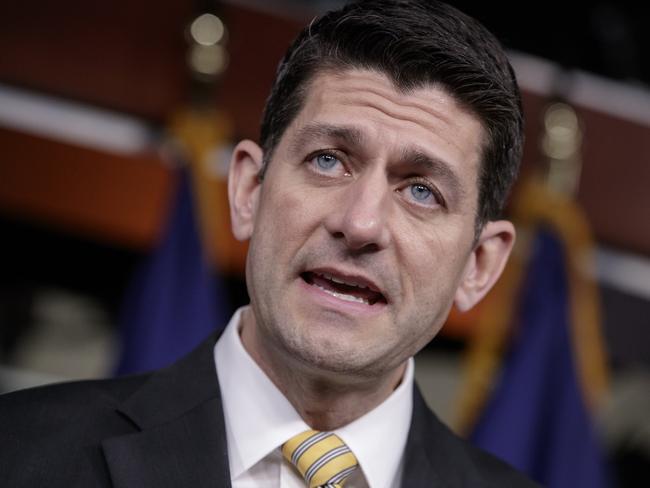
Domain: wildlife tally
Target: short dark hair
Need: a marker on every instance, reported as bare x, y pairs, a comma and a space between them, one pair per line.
415, 43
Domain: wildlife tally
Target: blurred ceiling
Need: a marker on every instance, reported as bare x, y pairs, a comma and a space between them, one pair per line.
608, 38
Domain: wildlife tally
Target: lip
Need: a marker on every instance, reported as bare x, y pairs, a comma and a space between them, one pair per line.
350, 278
333, 303
330, 302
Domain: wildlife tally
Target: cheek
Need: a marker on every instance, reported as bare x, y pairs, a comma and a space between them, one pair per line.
288, 216
298, 208
435, 265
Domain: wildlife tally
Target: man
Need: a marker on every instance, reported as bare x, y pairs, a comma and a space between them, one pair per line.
388, 144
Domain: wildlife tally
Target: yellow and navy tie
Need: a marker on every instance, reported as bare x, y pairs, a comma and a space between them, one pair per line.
322, 458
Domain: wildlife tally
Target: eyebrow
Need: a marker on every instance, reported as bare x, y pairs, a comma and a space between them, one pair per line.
412, 156
349, 135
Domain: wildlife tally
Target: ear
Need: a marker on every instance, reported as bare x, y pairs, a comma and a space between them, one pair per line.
244, 187
485, 264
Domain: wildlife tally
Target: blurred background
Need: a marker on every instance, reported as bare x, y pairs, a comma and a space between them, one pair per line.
116, 124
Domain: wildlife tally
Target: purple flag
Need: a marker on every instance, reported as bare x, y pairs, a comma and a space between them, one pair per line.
173, 301
536, 418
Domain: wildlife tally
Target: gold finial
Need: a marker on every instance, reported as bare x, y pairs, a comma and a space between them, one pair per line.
561, 144
207, 56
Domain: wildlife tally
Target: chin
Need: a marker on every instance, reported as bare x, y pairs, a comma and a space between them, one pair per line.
336, 358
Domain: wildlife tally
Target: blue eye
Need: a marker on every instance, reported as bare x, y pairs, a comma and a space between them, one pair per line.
326, 161
420, 192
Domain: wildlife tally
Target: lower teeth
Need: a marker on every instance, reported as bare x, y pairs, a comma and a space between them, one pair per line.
347, 298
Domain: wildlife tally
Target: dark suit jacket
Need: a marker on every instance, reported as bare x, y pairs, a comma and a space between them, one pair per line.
166, 429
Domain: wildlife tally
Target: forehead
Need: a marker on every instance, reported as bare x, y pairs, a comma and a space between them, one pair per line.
429, 115
387, 123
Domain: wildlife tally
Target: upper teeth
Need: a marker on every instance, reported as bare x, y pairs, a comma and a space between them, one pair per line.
343, 282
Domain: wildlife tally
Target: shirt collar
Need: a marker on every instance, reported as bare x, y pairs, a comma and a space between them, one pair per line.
259, 419
378, 438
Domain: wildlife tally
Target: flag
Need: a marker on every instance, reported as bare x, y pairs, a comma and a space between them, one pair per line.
174, 300
536, 365
536, 418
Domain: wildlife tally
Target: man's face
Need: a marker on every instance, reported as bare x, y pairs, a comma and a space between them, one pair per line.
362, 230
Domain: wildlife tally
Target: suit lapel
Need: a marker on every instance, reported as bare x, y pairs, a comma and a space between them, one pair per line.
421, 467
182, 438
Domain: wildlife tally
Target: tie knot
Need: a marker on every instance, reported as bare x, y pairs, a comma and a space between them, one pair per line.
322, 458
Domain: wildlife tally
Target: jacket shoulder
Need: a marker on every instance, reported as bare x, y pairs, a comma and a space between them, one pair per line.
495, 472
56, 429
435, 452
63, 404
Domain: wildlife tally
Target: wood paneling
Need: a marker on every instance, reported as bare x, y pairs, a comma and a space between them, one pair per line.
128, 56
257, 43
120, 200
131, 56
615, 176
615, 182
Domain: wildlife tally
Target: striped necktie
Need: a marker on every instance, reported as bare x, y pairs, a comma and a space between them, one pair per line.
321, 457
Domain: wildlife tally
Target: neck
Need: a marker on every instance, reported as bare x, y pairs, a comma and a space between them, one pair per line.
326, 405
325, 401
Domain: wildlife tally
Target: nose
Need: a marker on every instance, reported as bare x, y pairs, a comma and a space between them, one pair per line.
360, 215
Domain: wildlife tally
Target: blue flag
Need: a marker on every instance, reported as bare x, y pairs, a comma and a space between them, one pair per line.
536, 418
172, 302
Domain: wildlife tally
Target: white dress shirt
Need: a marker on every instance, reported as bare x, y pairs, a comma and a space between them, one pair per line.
259, 419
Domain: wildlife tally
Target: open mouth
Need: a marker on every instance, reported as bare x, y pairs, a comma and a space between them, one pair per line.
348, 289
